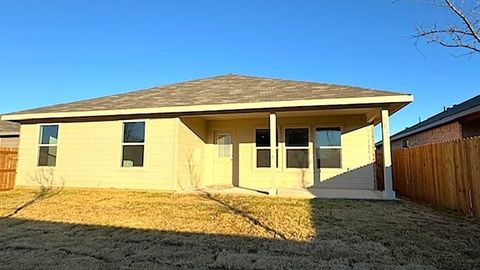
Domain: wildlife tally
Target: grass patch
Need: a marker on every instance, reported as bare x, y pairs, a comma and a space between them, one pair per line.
133, 229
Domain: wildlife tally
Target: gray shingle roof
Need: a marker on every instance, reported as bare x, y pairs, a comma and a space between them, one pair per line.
225, 89
7, 127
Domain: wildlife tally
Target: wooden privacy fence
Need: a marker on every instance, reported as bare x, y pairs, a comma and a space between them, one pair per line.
379, 169
8, 165
446, 174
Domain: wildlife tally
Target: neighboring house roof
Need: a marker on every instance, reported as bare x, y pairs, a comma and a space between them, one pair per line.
451, 114
221, 90
9, 128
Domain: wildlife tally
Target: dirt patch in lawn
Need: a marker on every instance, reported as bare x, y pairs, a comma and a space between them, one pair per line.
111, 229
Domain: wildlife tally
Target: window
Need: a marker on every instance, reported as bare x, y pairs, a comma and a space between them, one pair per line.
296, 146
262, 143
328, 147
224, 145
133, 144
47, 154
406, 144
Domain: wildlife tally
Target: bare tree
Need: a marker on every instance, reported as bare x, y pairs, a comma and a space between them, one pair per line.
459, 29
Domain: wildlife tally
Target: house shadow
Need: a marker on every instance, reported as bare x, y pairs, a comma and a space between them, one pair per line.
32, 244
349, 234
36, 244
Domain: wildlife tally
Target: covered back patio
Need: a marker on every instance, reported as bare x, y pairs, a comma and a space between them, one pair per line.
306, 152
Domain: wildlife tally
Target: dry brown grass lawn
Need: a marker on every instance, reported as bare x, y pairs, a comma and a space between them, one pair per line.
111, 229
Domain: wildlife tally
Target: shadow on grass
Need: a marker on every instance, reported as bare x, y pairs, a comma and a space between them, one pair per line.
45, 245
349, 235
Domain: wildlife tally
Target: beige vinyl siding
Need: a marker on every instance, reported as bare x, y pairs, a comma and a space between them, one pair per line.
192, 133
180, 154
89, 155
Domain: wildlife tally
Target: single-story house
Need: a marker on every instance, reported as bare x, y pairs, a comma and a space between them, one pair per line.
457, 122
249, 132
9, 134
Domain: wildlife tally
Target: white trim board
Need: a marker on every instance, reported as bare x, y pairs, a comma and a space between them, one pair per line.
217, 107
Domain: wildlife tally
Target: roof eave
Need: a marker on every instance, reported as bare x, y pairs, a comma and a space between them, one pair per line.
399, 100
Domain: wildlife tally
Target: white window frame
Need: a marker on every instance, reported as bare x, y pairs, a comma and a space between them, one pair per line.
277, 148
328, 147
40, 144
286, 148
133, 143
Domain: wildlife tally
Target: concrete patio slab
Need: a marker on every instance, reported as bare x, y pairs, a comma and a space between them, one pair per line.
308, 193
365, 194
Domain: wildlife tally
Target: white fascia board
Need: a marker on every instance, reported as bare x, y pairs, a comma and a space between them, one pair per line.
217, 107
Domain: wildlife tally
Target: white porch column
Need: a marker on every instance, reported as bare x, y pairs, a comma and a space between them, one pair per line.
273, 153
388, 193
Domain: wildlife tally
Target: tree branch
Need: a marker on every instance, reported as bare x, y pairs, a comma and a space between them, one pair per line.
442, 31
448, 45
464, 19
463, 34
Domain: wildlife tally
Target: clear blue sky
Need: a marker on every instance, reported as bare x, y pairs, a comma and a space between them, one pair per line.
59, 51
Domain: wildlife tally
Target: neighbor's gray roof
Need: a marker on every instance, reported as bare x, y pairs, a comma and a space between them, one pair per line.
225, 89
9, 128
450, 114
